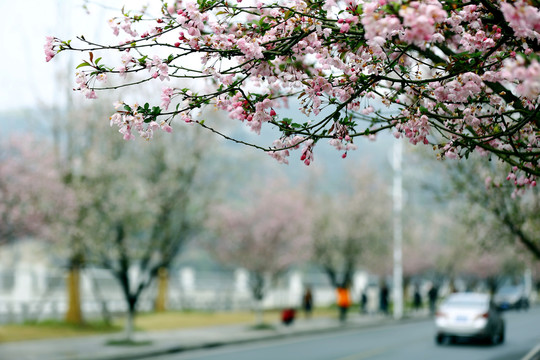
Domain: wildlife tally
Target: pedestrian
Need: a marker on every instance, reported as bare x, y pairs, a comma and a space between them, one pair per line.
432, 296
383, 299
363, 302
307, 302
343, 302
417, 298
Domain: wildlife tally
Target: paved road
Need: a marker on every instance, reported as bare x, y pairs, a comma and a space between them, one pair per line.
403, 342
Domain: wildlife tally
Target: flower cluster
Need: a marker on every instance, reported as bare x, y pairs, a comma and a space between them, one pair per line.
523, 18
282, 147
135, 118
420, 20
527, 77
82, 85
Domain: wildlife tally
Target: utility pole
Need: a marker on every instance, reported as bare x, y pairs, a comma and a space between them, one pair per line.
397, 197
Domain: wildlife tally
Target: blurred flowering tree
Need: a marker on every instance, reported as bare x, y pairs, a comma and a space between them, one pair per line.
466, 71
136, 205
352, 229
492, 210
32, 194
420, 255
265, 235
493, 266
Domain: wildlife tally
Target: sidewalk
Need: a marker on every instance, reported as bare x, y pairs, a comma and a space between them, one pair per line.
166, 342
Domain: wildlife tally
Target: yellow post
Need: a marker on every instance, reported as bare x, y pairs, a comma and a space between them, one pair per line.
74, 314
161, 299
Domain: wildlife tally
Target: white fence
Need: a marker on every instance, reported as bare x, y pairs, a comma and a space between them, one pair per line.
29, 293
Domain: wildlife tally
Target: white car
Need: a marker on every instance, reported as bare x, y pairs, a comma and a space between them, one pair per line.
471, 316
511, 297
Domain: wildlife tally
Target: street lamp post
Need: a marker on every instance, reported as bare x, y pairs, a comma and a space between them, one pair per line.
397, 197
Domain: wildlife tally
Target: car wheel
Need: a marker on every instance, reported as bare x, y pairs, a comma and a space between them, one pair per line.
497, 338
439, 339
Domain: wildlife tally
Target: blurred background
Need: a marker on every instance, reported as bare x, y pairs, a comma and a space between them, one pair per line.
94, 229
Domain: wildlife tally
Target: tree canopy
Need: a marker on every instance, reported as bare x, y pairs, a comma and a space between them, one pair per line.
460, 76
32, 195
493, 211
266, 235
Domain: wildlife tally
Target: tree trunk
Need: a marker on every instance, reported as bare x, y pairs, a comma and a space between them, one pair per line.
257, 288
130, 319
259, 315
105, 313
74, 314
161, 298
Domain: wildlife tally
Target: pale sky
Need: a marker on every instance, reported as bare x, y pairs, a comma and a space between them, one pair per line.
28, 80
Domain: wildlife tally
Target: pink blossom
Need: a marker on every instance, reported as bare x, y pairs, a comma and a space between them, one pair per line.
527, 75
250, 48
101, 77
166, 127
91, 94
49, 48
126, 58
307, 152
281, 153
114, 26
451, 154
419, 20
166, 95
368, 110
193, 31
186, 118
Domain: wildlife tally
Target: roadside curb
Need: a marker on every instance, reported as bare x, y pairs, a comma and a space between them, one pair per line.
280, 333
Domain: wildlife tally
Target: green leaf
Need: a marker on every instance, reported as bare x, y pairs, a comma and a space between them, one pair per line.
142, 60
156, 110
84, 63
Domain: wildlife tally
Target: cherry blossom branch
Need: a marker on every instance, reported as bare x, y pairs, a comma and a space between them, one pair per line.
465, 71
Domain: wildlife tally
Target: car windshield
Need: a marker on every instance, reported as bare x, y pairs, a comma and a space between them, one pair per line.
509, 290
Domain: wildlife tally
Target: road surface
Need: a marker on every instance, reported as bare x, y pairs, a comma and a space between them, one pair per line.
407, 341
